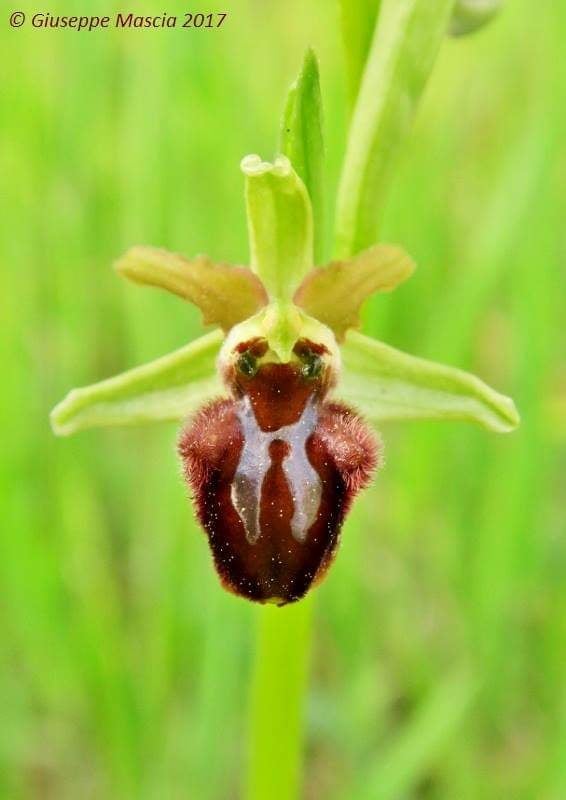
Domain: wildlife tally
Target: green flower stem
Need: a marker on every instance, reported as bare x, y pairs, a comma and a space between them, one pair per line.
279, 681
407, 38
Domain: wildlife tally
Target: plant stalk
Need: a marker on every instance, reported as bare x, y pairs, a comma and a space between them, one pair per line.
278, 686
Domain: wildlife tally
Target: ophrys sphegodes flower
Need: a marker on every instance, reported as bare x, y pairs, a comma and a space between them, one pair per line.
277, 402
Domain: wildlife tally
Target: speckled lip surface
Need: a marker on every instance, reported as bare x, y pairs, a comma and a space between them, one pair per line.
273, 472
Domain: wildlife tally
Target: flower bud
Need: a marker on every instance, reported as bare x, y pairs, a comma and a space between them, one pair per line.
471, 15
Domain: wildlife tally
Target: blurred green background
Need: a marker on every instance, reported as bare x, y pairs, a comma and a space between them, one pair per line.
439, 658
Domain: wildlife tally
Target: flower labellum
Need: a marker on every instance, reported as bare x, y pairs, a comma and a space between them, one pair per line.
274, 470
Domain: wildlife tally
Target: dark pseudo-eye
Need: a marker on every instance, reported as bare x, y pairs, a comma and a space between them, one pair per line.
312, 365
247, 364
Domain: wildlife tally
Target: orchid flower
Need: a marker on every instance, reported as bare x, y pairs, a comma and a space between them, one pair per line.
278, 398
280, 402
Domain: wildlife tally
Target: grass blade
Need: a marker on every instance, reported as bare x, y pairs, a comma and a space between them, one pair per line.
408, 757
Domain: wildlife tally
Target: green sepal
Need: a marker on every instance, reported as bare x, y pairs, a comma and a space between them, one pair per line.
386, 384
168, 388
225, 294
334, 294
301, 140
279, 224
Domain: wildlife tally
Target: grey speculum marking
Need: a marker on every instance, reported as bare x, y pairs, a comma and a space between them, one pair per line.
302, 479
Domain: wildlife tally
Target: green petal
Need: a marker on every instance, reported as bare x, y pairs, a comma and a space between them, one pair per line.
279, 223
386, 384
334, 294
302, 139
166, 389
226, 295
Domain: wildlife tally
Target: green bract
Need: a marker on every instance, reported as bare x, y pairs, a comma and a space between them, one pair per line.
289, 299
